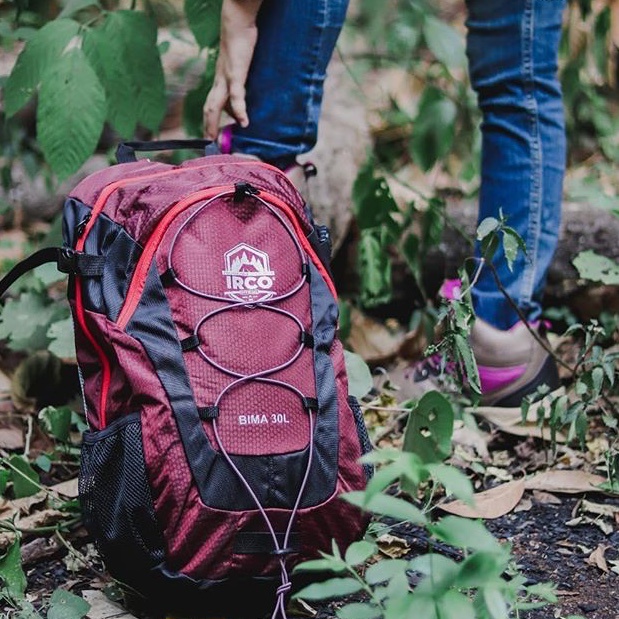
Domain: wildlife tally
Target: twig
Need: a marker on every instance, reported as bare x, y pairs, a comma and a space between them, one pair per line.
79, 556
28, 436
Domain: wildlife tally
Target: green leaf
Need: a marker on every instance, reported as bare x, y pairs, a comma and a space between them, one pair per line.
386, 505
37, 58
454, 481
441, 573
385, 570
44, 463
204, 17
25, 478
433, 128
486, 227
480, 568
358, 610
510, 247
374, 267
75, 6
62, 342
596, 268
464, 533
328, 564
465, 355
5, 475
124, 53
11, 572
332, 588
455, 605
24, 321
429, 428
359, 375
495, 603
65, 605
374, 202
359, 552
57, 421
446, 43
68, 130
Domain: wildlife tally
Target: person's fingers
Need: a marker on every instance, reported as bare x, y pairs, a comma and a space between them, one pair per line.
238, 106
213, 107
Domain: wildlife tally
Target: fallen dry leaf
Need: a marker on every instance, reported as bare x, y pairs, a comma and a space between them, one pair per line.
566, 482
43, 518
392, 546
599, 509
546, 498
11, 437
372, 339
476, 439
524, 505
68, 489
102, 608
9, 508
489, 504
5, 385
597, 559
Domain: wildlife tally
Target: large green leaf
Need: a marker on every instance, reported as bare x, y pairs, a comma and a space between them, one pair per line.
71, 113
25, 478
11, 572
446, 43
37, 58
433, 128
597, 268
24, 321
124, 53
332, 588
66, 605
374, 267
204, 17
429, 428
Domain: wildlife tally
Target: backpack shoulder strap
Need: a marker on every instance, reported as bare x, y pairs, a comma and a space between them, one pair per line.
67, 261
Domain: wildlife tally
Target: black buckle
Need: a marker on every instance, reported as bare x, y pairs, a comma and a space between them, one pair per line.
67, 260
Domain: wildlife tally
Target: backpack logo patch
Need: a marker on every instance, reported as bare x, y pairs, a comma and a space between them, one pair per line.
248, 274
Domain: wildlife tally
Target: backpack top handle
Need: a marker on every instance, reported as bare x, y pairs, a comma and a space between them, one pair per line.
125, 151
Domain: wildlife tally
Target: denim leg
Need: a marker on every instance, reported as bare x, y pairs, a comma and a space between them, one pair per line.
512, 46
296, 39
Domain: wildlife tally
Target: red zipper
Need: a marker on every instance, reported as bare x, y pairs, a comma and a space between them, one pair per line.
125, 315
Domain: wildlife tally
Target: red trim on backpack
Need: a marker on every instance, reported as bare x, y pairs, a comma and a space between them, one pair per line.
140, 273
128, 308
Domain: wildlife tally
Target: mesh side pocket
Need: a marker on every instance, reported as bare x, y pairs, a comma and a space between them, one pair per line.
362, 432
117, 504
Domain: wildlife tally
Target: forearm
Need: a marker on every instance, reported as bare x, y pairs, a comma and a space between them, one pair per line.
239, 13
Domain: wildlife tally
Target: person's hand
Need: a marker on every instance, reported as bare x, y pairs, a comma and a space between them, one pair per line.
236, 49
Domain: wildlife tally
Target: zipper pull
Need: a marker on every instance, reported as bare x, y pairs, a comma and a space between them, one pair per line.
81, 226
242, 190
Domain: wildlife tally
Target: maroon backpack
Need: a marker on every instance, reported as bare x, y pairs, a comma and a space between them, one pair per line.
221, 431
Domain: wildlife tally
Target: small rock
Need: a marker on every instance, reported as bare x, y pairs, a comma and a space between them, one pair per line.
587, 607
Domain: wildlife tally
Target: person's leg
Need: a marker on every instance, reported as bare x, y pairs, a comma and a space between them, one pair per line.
512, 47
296, 39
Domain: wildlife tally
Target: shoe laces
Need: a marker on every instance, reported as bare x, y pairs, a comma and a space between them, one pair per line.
433, 366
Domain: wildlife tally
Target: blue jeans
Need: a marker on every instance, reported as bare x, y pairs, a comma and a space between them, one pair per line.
512, 47
284, 87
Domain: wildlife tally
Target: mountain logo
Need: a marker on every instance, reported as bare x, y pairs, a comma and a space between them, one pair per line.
248, 274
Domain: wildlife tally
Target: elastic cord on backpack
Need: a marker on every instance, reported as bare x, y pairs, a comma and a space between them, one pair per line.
279, 550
